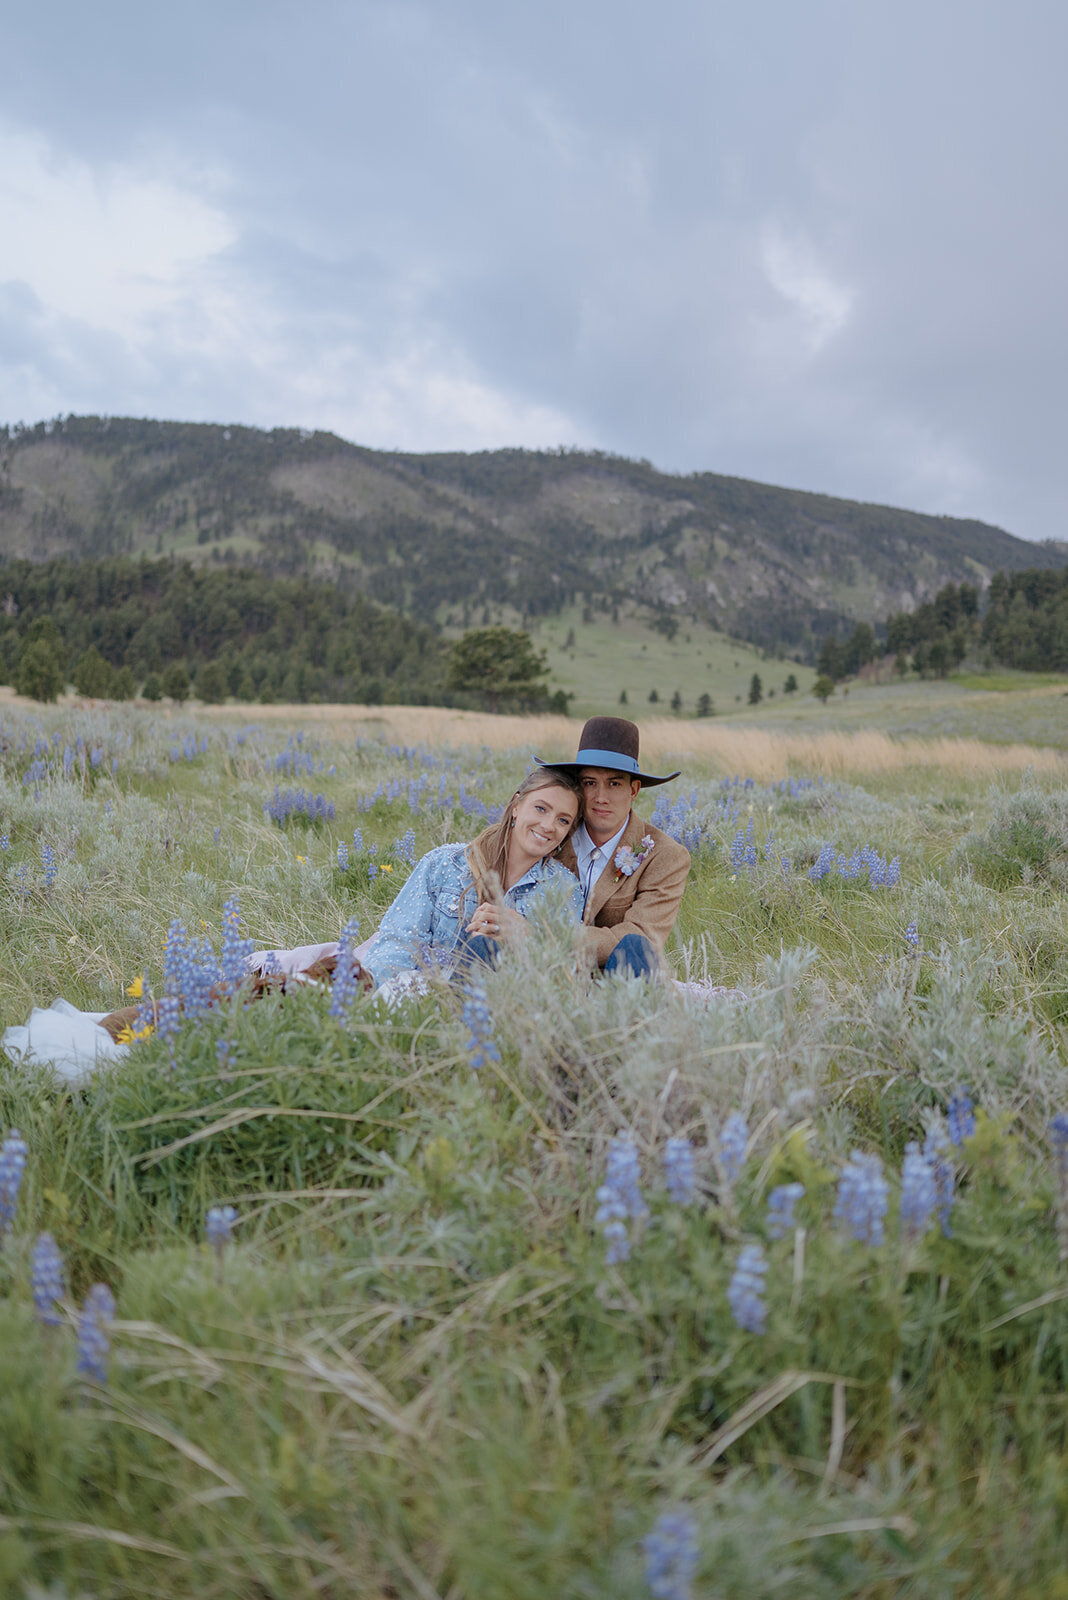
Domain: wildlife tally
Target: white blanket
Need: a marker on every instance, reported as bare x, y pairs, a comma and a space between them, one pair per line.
72, 1041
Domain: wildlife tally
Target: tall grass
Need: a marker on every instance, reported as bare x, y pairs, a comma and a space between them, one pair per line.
412, 1372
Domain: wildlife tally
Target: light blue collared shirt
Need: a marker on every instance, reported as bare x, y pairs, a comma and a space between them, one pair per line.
591, 859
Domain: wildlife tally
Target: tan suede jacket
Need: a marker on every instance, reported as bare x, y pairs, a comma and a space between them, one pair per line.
647, 902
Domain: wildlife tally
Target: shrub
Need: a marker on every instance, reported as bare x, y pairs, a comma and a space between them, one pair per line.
1027, 841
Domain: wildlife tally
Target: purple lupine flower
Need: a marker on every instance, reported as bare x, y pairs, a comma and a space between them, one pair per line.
300, 803
623, 1174
343, 856
346, 985
679, 1171
611, 1218
960, 1119
48, 862
919, 1191
94, 1333
219, 1227
13, 1154
863, 1193
1058, 1138
190, 976
733, 1139
912, 933
47, 1280
478, 1020
168, 1021
745, 1292
404, 847
935, 1145
235, 950
781, 1203
671, 1556
823, 864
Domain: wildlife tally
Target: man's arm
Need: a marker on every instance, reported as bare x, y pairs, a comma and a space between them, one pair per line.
653, 910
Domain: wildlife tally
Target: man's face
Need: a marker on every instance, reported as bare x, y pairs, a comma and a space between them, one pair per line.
608, 801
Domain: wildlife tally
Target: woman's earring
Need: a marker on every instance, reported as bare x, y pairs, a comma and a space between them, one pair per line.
512, 823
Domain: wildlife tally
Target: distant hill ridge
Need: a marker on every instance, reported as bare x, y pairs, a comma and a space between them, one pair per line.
509, 535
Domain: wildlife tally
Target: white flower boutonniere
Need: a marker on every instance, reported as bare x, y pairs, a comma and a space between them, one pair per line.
628, 861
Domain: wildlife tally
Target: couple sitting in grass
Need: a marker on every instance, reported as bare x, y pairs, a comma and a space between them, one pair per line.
568, 823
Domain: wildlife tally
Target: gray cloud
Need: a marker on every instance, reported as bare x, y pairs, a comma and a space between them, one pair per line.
818, 245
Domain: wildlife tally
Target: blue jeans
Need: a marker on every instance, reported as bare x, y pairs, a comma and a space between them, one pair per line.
633, 957
473, 950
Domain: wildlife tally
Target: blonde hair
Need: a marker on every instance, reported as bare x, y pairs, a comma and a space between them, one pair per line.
487, 855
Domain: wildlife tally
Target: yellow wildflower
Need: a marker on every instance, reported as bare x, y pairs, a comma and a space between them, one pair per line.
386, 867
303, 860
130, 1034
137, 988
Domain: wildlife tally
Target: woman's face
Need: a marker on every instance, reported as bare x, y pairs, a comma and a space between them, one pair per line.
543, 819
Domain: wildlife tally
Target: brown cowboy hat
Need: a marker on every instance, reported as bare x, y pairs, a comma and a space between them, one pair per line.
610, 742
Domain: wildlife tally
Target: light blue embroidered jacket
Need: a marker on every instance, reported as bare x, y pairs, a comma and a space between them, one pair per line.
437, 903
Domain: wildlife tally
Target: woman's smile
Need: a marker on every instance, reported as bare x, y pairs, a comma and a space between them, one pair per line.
543, 820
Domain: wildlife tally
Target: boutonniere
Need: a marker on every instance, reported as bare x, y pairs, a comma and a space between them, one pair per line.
628, 861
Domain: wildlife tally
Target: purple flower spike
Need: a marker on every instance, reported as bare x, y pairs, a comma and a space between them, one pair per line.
745, 1292
47, 1280
863, 1192
94, 1333
671, 1556
13, 1154
960, 1118
733, 1140
781, 1204
679, 1171
919, 1191
623, 1174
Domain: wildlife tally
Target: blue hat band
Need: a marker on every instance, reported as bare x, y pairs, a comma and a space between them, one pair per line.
607, 758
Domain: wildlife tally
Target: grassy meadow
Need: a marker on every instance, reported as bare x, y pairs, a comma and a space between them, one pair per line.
422, 1368
998, 705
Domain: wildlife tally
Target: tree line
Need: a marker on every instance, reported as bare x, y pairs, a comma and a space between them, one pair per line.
1023, 623
116, 627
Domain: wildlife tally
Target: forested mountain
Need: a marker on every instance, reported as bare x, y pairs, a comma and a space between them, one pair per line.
1024, 625
508, 535
112, 625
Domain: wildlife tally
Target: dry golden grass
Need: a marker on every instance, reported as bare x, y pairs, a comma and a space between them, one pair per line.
753, 751
726, 748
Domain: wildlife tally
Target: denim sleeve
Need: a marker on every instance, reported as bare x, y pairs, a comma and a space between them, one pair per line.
406, 926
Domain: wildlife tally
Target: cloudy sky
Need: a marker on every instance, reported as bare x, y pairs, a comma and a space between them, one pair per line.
813, 242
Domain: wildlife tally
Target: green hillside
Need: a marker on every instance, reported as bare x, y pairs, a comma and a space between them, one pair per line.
509, 535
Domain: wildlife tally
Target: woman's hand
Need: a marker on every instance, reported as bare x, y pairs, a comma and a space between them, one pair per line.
496, 922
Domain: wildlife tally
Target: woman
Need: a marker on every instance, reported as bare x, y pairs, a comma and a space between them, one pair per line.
462, 899
458, 903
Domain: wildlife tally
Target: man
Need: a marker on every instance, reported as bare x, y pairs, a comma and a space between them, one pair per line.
632, 874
